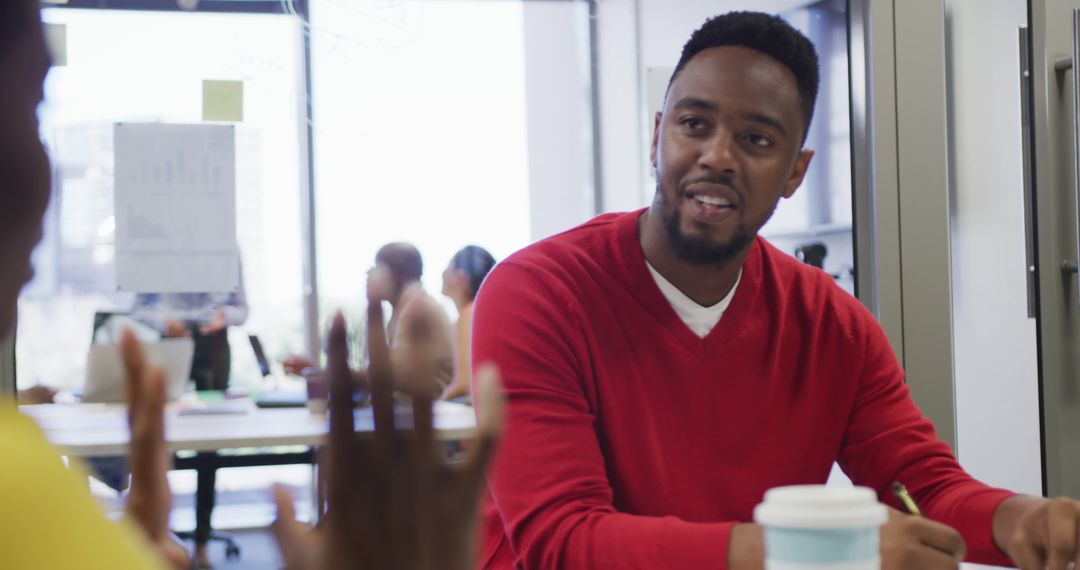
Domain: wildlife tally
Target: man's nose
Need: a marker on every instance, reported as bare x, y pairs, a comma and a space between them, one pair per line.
719, 153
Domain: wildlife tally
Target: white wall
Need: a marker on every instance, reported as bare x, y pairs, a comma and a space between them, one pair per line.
994, 341
623, 145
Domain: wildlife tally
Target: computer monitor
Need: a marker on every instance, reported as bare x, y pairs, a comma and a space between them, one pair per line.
105, 369
260, 355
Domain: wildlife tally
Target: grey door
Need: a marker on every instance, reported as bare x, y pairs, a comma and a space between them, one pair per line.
1052, 45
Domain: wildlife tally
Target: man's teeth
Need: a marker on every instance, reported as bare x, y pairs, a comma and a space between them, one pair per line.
712, 200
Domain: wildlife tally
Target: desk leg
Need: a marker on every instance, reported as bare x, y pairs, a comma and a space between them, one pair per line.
318, 490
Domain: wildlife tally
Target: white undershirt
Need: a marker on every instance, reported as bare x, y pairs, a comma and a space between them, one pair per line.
700, 319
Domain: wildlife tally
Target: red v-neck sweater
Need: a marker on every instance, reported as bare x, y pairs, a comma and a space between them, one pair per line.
633, 443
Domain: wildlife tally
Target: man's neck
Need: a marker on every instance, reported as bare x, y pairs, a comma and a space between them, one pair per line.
706, 285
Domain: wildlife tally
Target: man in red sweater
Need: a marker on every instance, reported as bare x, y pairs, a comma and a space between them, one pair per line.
643, 427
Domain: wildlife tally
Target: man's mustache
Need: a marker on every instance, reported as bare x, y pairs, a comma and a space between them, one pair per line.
718, 179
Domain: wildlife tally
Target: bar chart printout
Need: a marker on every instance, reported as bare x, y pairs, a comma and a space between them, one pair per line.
175, 208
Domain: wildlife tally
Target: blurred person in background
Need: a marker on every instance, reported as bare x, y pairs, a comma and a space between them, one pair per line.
461, 281
395, 279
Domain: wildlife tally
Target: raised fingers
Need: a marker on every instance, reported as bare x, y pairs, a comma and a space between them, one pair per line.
134, 357
342, 430
490, 413
295, 541
380, 377
149, 499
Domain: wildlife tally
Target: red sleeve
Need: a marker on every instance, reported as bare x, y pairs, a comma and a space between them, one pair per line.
548, 480
888, 439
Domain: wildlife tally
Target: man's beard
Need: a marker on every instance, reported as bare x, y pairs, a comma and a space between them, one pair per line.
699, 250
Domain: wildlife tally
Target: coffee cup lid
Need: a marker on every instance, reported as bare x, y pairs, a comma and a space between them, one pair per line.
820, 507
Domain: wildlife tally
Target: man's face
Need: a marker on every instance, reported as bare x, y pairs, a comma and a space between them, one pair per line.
726, 147
24, 167
380, 283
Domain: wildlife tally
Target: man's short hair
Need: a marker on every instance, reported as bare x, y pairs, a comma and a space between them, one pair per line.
403, 260
767, 34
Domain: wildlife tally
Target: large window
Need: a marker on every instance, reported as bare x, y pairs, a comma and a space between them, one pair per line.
437, 122
150, 67
430, 126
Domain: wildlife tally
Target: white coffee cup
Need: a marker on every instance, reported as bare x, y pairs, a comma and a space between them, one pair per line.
814, 527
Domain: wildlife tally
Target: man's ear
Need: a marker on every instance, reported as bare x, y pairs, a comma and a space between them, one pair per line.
798, 172
655, 138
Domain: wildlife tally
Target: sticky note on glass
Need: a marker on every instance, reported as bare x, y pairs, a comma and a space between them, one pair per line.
223, 100
56, 40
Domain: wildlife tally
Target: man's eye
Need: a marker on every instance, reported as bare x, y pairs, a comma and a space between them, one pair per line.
758, 139
692, 123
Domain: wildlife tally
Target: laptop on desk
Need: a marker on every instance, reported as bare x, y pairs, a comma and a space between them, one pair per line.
105, 369
274, 398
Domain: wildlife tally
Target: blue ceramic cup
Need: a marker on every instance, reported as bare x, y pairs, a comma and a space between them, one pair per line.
814, 527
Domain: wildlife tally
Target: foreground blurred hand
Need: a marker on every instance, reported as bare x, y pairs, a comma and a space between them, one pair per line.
393, 501
149, 498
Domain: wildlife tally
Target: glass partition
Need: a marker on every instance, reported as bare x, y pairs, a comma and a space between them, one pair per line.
149, 67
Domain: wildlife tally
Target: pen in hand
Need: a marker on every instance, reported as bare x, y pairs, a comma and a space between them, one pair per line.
905, 499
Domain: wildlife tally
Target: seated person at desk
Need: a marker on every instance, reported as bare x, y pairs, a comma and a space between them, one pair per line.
665, 367
395, 279
48, 519
461, 281
205, 317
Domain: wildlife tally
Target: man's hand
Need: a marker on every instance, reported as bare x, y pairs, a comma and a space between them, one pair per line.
394, 503
746, 547
380, 284
915, 543
1039, 533
37, 395
217, 323
907, 543
149, 499
175, 328
296, 364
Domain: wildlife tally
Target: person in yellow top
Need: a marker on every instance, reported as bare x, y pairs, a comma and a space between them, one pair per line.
50, 521
461, 280
47, 519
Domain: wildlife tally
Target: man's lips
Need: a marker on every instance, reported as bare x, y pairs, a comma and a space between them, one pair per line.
710, 197
712, 189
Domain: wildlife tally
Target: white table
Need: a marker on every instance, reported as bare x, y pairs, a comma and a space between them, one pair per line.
101, 430
95, 430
